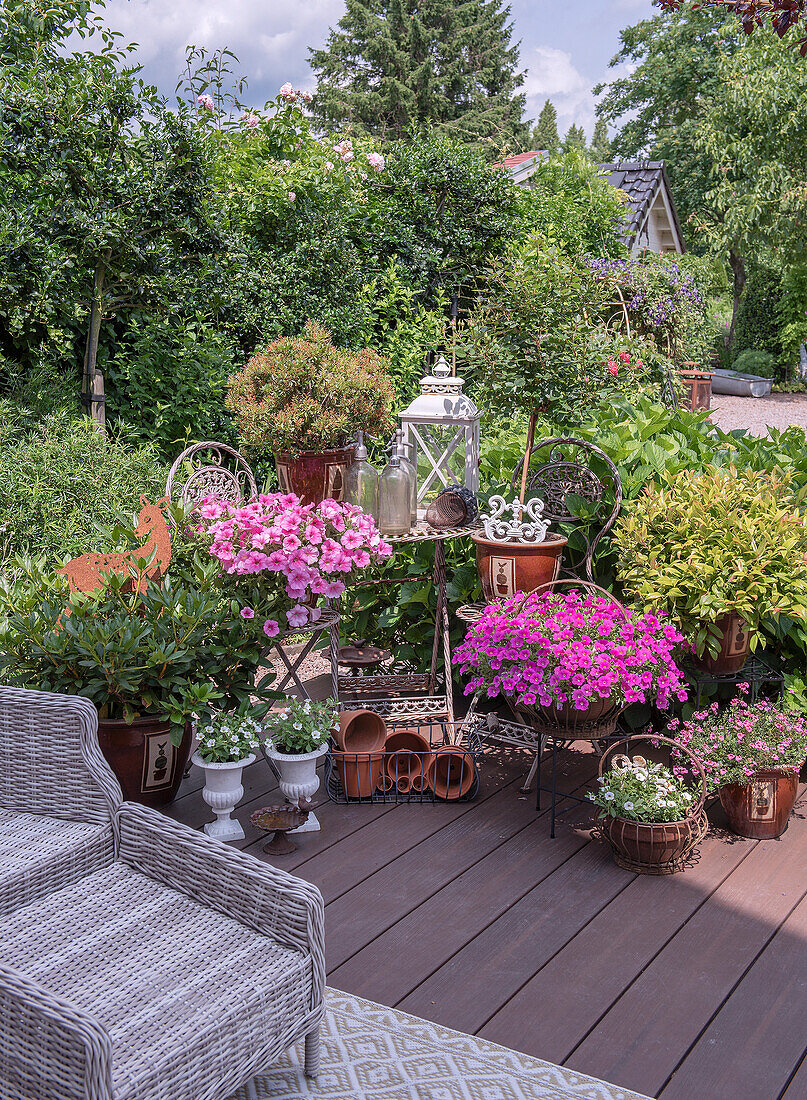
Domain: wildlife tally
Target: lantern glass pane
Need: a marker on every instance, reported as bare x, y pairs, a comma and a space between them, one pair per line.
442, 448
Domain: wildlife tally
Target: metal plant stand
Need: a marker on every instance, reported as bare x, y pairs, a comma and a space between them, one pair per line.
293, 662
755, 672
414, 695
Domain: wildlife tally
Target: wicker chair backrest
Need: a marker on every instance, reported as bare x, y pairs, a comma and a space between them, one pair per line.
50, 762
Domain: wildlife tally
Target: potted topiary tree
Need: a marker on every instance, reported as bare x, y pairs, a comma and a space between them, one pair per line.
304, 400
724, 552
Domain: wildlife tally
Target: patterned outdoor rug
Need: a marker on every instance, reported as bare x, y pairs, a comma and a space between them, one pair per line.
376, 1053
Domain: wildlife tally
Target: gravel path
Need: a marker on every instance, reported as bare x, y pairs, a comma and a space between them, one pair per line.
757, 414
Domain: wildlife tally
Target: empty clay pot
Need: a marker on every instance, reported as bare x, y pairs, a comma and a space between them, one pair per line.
361, 731
360, 772
451, 773
404, 767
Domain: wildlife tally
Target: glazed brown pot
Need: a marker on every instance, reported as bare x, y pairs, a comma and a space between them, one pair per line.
761, 809
451, 773
315, 476
734, 648
359, 772
508, 567
360, 731
149, 768
636, 842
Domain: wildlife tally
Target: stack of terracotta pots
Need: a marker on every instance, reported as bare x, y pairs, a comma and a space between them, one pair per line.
371, 759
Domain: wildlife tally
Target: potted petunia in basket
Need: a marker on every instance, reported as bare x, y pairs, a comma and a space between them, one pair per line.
651, 817
298, 736
752, 753
227, 745
296, 553
572, 659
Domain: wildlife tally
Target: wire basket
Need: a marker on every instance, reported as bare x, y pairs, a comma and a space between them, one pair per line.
419, 763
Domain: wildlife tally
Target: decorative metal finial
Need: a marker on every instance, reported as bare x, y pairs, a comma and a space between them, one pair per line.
441, 368
498, 529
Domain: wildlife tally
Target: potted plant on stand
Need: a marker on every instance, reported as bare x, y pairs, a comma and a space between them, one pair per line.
298, 736
571, 660
152, 658
752, 753
724, 552
304, 400
227, 745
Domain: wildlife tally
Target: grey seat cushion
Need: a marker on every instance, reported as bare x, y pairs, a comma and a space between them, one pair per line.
41, 854
173, 983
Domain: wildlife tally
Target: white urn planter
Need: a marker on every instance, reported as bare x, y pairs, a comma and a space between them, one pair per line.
299, 779
222, 792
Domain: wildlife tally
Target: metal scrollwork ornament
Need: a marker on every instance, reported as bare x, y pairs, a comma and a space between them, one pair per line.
526, 525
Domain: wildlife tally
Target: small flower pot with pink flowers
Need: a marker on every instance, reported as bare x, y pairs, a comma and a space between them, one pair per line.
571, 660
752, 753
281, 556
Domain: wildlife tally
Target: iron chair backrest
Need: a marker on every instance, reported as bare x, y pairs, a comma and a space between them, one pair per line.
563, 469
211, 469
50, 762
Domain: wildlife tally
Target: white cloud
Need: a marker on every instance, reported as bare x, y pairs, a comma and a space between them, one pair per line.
270, 39
551, 75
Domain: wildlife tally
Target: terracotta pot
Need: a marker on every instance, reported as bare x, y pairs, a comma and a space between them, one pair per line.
359, 772
761, 809
315, 476
404, 768
734, 648
508, 567
451, 773
149, 768
361, 731
636, 842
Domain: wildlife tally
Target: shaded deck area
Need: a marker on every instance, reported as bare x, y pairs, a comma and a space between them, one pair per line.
686, 987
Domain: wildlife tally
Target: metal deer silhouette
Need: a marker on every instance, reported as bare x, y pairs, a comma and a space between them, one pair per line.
86, 572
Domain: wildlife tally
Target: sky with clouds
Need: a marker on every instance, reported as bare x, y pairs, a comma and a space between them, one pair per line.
565, 44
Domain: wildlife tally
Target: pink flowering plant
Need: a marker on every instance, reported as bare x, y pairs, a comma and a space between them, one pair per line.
735, 743
295, 552
572, 648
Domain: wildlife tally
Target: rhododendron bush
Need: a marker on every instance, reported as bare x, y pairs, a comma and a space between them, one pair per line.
571, 648
297, 552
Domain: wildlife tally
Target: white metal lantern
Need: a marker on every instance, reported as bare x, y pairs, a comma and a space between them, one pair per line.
441, 427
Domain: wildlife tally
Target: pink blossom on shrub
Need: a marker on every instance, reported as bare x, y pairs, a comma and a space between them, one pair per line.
271, 628
205, 101
247, 613
288, 93
571, 648
376, 161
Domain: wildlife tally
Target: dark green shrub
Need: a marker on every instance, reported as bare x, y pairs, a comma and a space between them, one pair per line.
61, 480
757, 322
755, 362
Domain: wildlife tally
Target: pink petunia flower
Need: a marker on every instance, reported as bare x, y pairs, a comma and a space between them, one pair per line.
247, 613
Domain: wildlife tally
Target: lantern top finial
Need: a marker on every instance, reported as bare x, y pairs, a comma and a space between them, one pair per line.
441, 368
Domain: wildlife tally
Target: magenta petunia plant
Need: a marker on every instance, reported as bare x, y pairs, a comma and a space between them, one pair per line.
734, 743
298, 552
571, 649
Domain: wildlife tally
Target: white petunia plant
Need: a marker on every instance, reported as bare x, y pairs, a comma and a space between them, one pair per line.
642, 791
300, 726
228, 738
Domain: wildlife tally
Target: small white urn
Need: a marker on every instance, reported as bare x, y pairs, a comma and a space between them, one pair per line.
222, 792
299, 779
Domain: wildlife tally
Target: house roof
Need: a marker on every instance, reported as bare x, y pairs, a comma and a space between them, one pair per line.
640, 180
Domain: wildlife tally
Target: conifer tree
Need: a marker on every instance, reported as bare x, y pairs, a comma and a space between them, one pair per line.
545, 132
393, 64
600, 148
575, 139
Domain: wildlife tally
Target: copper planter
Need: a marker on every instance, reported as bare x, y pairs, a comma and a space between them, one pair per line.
508, 567
734, 647
761, 809
315, 476
148, 767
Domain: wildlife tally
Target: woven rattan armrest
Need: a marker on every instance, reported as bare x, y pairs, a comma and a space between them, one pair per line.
49, 1049
274, 903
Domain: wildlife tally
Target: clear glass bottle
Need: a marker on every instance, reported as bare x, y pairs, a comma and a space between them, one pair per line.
402, 451
395, 492
361, 481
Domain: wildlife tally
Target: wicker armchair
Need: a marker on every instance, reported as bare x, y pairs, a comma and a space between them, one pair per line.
178, 972
58, 795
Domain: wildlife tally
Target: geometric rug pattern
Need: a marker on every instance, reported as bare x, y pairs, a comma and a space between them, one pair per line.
370, 1052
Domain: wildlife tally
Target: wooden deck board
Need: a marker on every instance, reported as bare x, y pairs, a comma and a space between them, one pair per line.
688, 986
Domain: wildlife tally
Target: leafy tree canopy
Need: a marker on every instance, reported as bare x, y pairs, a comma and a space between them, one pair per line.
392, 64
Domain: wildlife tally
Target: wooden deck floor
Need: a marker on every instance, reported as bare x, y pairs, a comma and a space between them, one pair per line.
686, 987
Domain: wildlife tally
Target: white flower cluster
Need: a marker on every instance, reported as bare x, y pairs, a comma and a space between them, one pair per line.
229, 737
642, 791
301, 726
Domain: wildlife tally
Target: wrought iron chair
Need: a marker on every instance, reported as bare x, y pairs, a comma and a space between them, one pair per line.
211, 469
58, 795
567, 468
